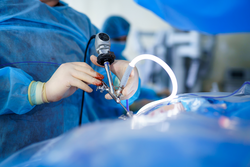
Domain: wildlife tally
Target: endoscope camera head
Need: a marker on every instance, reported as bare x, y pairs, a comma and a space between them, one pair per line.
102, 43
102, 46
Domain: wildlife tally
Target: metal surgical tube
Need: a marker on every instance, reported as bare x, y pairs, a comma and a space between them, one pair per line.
106, 65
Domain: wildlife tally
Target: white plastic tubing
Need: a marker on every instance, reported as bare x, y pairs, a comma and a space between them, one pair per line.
167, 69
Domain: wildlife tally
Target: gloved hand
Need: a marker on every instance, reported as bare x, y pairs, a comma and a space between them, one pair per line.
68, 78
118, 68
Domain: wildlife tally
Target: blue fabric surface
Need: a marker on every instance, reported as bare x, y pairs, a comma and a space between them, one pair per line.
35, 39
233, 105
192, 138
183, 140
216, 108
209, 16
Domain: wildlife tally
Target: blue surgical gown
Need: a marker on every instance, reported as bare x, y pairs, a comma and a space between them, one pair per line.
34, 40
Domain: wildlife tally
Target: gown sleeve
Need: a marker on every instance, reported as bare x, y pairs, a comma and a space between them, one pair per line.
14, 91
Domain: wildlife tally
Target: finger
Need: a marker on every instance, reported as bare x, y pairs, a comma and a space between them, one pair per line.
108, 97
89, 71
127, 92
124, 97
132, 83
94, 60
86, 78
82, 64
118, 67
129, 86
79, 84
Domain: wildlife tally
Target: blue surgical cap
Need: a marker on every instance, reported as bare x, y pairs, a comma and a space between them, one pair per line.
116, 26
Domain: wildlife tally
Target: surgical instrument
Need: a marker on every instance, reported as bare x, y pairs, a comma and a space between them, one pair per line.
106, 58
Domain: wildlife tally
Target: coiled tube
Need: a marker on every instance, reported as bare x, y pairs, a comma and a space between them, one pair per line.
167, 69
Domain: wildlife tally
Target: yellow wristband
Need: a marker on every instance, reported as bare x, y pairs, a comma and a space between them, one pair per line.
29, 93
38, 94
44, 94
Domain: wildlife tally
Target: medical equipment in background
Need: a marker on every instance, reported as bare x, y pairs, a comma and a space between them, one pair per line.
195, 51
234, 78
189, 54
185, 45
155, 79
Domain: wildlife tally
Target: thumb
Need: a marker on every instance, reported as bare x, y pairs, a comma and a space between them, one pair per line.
94, 60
